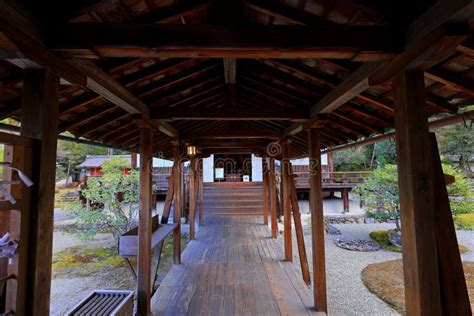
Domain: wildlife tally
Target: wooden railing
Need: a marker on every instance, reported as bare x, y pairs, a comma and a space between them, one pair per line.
331, 179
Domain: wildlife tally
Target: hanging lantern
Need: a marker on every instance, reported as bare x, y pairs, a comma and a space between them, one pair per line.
191, 150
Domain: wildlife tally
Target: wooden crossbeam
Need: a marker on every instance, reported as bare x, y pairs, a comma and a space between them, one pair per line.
239, 132
454, 81
353, 85
231, 113
19, 26
221, 41
229, 144
429, 39
103, 84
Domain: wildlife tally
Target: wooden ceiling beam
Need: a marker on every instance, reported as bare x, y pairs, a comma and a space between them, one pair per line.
230, 70
112, 133
229, 144
198, 96
284, 12
255, 150
221, 41
356, 83
101, 123
368, 126
348, 89
432, 37
241, 132
86, 116
23, 31
231, 114
324, 79
190, 74
453, 81
104, 85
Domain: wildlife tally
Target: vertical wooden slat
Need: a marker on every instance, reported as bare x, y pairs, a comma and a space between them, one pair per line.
192, 198
286, 201
40, 121
265, 191
454, 294
317, 220
272, 186
144, 285
201, 192
415, 178
177, 204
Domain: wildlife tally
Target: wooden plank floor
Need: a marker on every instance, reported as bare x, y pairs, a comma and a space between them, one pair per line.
233, 268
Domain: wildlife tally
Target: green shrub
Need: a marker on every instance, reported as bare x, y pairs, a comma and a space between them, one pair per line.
381, 236
461, 196
115, 197
464, 221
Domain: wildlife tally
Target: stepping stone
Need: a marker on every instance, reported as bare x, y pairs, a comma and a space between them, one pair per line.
357, 244
332, 230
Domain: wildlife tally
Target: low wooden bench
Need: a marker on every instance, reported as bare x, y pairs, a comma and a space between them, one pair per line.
128, 242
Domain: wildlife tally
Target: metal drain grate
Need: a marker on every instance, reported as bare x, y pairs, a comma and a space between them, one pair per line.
105, 303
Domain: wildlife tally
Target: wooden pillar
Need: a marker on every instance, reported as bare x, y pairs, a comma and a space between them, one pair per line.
345, 200
201, 192
331, 170
177, 202
272, 189
415, 178
133, 161
40, 121
317, 220
265, 190
144, 285
286, 201
192, 198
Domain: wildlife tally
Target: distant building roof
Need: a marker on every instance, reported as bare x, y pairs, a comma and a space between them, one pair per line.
93, 161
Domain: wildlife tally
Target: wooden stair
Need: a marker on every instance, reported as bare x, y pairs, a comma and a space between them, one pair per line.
233, 198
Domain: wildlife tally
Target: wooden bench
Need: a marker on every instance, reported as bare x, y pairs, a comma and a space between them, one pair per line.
128, 242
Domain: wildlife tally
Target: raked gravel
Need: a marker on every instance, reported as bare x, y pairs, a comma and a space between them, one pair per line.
347, 295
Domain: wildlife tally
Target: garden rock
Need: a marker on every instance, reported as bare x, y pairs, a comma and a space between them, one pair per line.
357, 244
332, 230
395, 238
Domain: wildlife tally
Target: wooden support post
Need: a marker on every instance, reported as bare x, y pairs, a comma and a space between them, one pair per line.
345, 200
286, 201
265, 191
299, 232
133, 161
192, 198
454, 294
317, 221
201, 192
144, 285
415, 178
177, 203
272, 188
40, 121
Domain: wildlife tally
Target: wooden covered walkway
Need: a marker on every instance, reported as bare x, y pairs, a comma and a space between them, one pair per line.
234, 267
